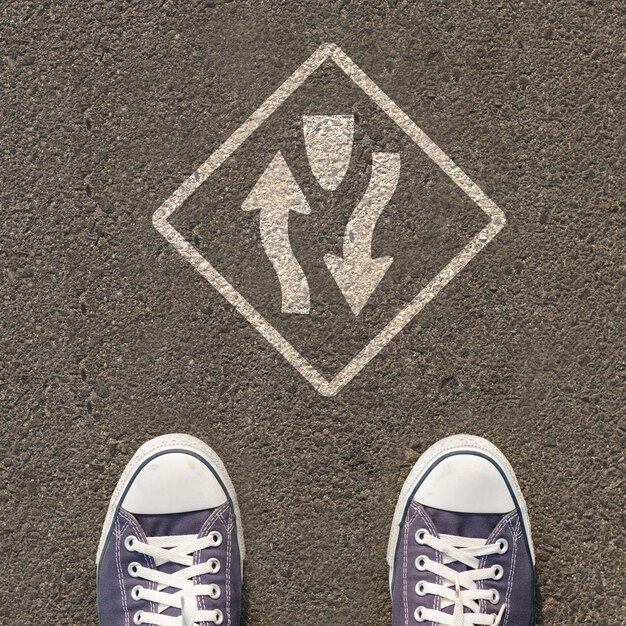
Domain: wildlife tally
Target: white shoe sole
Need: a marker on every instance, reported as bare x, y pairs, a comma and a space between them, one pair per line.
443, 448
158, 445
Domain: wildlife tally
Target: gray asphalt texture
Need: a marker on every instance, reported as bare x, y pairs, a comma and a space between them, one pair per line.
110, 337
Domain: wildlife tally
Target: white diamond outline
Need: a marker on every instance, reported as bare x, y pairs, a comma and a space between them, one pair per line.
497, 220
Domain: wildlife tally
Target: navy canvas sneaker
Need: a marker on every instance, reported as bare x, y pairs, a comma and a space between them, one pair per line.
460, 551
171, 551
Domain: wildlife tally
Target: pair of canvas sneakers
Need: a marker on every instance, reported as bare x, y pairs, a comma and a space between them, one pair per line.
460, 551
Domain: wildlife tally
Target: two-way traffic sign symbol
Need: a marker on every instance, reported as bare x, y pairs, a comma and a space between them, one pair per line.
279, 199
277, 193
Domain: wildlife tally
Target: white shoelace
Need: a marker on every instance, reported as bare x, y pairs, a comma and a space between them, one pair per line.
180, 550
459, 589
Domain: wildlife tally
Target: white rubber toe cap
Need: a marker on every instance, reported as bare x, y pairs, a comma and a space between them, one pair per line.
172, 474
173, 482
465, 483
463, 474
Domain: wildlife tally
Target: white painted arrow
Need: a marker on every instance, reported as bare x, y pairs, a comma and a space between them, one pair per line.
357, 275
275, 195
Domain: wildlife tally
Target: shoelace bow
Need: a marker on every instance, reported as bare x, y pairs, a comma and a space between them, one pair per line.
459, 589
176, 549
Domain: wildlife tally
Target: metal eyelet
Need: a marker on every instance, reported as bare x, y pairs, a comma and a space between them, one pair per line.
503, 546
133, 569
216, 537
129, 542
498, 572
138, 618
420, 536
219, 617
419, 614
420, 588
420, 562
135, 592
215, 565
495, 596
215, 592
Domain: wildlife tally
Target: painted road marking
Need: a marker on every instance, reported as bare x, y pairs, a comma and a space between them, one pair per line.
276, 194
324, 386
357, 275
328, 142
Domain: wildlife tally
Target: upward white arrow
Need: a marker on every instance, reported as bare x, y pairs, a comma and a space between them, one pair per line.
357, 274
275, 195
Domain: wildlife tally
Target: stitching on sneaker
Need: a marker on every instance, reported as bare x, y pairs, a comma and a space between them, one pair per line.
118, 564
438, 557
211, 519
208, 523
494, 535
405, 549
229, 543
149, 561
512, 573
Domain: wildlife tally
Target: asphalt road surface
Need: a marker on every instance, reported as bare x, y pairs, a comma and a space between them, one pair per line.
110, 336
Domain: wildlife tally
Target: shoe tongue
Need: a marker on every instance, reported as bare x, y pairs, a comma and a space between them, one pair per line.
476, 525
171, 524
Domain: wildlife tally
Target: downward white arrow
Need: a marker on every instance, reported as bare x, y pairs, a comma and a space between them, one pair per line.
357, 275
276, 194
